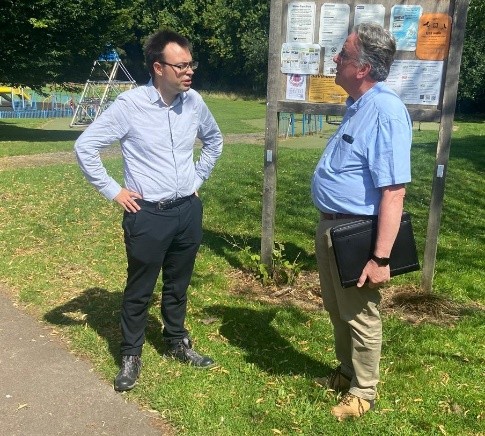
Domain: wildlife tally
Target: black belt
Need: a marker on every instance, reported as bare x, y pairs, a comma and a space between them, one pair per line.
164, 204
339, 216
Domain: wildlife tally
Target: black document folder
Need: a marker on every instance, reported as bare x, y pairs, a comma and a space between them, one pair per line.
353, 245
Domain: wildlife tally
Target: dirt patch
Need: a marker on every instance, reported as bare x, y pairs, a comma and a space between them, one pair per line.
66, 157
407, 303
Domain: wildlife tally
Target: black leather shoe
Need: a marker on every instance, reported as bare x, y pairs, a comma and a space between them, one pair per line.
182, 350
129, 372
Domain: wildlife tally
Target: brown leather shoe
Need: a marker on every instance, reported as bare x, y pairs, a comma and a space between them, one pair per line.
351, 406
336, 381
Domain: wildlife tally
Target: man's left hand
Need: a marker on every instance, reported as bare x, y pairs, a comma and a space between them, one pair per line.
375, 274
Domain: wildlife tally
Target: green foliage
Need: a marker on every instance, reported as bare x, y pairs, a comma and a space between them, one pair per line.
252, 262
47, 41
471, 93
229, 37
281, 271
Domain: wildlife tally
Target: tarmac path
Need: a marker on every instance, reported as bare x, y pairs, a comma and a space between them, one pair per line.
45, 390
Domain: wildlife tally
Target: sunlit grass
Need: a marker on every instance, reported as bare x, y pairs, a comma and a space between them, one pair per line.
62, 254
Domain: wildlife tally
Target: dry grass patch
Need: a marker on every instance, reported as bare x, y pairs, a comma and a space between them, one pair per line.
406, 302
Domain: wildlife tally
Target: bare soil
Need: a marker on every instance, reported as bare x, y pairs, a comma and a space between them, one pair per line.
64, 157
407, 303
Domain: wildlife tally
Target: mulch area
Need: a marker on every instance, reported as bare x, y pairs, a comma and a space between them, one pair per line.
407, 303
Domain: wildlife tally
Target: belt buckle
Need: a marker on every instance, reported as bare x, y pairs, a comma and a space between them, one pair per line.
162, 205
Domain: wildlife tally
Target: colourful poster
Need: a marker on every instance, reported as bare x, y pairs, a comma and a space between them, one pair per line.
434, 36
322, 89
404, 25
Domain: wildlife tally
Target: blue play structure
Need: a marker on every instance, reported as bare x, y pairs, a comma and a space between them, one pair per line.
291, 124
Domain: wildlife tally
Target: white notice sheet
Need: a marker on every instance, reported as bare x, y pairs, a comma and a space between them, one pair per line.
369, 14
416, 82
301, 22
334, 29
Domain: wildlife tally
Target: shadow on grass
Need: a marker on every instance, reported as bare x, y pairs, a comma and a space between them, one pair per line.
100, 309
228, 246
12, 132
248, 329
252, 331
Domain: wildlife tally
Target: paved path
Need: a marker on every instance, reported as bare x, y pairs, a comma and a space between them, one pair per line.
45, 390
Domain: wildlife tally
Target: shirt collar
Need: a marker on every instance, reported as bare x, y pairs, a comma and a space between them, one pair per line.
355, 105
155, 96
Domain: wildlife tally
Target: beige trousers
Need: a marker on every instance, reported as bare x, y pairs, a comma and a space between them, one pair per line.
355, 318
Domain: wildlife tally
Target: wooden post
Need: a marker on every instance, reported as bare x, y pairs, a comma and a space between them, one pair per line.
444, 143
271, 137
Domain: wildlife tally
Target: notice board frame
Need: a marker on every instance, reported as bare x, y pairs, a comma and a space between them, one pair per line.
443, 113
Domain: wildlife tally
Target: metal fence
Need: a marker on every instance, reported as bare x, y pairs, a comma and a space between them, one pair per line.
46, 113
291, 124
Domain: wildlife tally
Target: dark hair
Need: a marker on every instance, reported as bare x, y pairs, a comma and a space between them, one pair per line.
156, 43
377, 48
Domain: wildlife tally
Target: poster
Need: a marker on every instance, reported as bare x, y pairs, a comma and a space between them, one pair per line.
404, 25
434, 36
334, 29
301, 22
323, 89
416, 82
369, 14
298, 58
295, 87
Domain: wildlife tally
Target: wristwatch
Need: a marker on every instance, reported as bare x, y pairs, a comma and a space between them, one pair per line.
381, 261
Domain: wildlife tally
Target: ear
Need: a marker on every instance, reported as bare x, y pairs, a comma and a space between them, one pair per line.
157, 68
363, 71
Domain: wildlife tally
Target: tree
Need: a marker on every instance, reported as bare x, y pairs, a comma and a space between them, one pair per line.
229, 37
471, 93
47, 41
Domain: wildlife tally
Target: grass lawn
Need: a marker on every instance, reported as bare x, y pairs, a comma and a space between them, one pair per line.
62, 256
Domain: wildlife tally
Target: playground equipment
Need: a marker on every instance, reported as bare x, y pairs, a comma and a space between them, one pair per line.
15, 98
26, 103
101, 88
299, 124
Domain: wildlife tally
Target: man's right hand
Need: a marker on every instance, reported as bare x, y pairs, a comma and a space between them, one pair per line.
127, 201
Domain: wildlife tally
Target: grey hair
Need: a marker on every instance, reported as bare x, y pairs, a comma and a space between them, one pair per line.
377, 48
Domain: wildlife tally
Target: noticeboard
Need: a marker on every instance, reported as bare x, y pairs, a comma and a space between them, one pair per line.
311, 33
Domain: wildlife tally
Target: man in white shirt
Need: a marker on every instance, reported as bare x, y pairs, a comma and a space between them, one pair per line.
156, 125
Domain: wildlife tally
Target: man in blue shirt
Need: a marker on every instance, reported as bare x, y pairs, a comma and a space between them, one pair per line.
362, 173
157, 126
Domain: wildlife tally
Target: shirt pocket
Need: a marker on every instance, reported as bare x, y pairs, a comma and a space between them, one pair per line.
340, 155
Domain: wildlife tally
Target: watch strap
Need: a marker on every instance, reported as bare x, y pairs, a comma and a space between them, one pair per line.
381, 261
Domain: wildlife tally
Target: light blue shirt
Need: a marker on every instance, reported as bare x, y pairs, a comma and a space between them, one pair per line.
157, 144
370, 150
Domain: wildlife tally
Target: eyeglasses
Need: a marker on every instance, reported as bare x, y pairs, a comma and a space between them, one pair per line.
344, 56
183, 66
